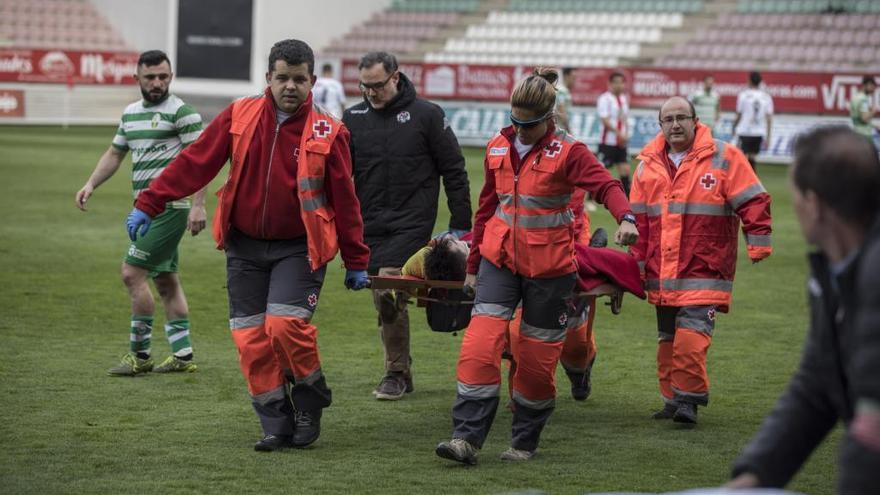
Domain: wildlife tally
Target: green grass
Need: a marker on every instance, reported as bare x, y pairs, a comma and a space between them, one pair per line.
65, 427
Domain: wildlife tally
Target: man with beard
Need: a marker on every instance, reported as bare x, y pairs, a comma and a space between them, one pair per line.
156, 129
401, 146
287, 208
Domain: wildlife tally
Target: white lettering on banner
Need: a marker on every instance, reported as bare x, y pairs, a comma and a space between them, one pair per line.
94, 65
8, 103
440, 81
475, 125
834, 97
16, 64
56, 65
208, 40
486, 82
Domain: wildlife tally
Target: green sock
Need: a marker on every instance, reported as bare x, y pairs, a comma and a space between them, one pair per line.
141, 332
177, 332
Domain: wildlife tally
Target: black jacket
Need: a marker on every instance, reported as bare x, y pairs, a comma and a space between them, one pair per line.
398, 154
839, 367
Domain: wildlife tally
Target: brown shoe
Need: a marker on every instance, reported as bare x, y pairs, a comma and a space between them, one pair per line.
392, 387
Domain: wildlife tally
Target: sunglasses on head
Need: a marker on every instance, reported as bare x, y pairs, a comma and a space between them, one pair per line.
528, 124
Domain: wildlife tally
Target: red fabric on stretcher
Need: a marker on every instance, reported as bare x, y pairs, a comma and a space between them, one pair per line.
597, 266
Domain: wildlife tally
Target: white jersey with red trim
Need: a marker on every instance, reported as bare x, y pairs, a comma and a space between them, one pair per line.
615, 108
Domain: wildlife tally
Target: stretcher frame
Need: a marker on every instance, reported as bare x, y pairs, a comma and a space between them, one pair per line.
418, 288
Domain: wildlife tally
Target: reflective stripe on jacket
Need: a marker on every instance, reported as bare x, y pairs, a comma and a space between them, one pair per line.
318, 217
531, 232
688, 220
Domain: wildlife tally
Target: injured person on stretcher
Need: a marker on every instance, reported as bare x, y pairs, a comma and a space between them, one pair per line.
435, 274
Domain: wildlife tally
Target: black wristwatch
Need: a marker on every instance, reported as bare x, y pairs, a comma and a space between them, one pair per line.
629, 217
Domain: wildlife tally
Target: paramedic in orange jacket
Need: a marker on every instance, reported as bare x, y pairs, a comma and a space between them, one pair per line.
689, 193
524, 247
286, 209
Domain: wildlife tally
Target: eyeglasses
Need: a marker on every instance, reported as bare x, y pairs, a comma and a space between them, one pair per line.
375, 86
672, 119
528, 124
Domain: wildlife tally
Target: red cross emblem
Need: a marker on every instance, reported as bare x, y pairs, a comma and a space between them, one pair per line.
553, 149
563, 319
711, 314
708, 181
322, 128
313, 299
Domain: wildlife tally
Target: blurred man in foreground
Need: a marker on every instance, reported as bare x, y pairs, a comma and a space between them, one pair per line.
834, 181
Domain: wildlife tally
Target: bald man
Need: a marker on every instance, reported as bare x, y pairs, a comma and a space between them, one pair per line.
689, 194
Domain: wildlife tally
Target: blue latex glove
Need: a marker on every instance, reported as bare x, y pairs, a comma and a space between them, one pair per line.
137, 221
356, 279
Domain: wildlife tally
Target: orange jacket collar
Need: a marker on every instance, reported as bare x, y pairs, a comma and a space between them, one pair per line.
704, 145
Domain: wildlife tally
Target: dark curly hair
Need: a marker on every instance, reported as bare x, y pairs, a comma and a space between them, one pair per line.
443, 262
294, 52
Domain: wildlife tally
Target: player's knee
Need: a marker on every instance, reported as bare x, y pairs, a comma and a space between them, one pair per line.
133, 276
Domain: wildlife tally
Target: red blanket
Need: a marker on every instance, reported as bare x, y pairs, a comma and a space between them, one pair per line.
597, 266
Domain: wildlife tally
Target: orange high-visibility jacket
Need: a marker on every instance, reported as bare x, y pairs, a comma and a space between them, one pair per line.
531, 231
317, 215
688, 221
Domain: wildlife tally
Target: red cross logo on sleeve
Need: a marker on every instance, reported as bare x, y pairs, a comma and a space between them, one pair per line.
708, 181
322, 128
553, 149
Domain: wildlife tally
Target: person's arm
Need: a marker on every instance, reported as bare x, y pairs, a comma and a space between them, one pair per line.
584, 170
189, 127
488, 203
450, 164
859, 462
603, 108
107, 165
769, 121
198, 216
339, 189
192, 169
751, 202
341, 100
738, 116
718, 111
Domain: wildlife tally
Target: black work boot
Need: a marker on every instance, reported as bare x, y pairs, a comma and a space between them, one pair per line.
308, 427
667, 412
686, 413
271, 443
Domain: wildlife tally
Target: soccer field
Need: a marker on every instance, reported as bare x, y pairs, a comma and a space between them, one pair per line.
66, 427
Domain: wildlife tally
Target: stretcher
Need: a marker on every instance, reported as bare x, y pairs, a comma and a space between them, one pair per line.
418, 288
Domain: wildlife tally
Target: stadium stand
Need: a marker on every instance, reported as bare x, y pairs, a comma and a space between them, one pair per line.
564, 32
68, 24
799, 35
792, 38
399, 31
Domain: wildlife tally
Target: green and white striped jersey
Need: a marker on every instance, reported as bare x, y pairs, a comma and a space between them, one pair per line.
155, 135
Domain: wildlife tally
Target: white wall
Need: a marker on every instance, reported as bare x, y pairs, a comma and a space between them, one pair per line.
143, 23
149, 24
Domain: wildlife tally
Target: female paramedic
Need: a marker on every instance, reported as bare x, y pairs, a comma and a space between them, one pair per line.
523, 252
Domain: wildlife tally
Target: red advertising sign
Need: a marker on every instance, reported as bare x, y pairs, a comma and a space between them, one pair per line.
11, 103
792, 92
67, 67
